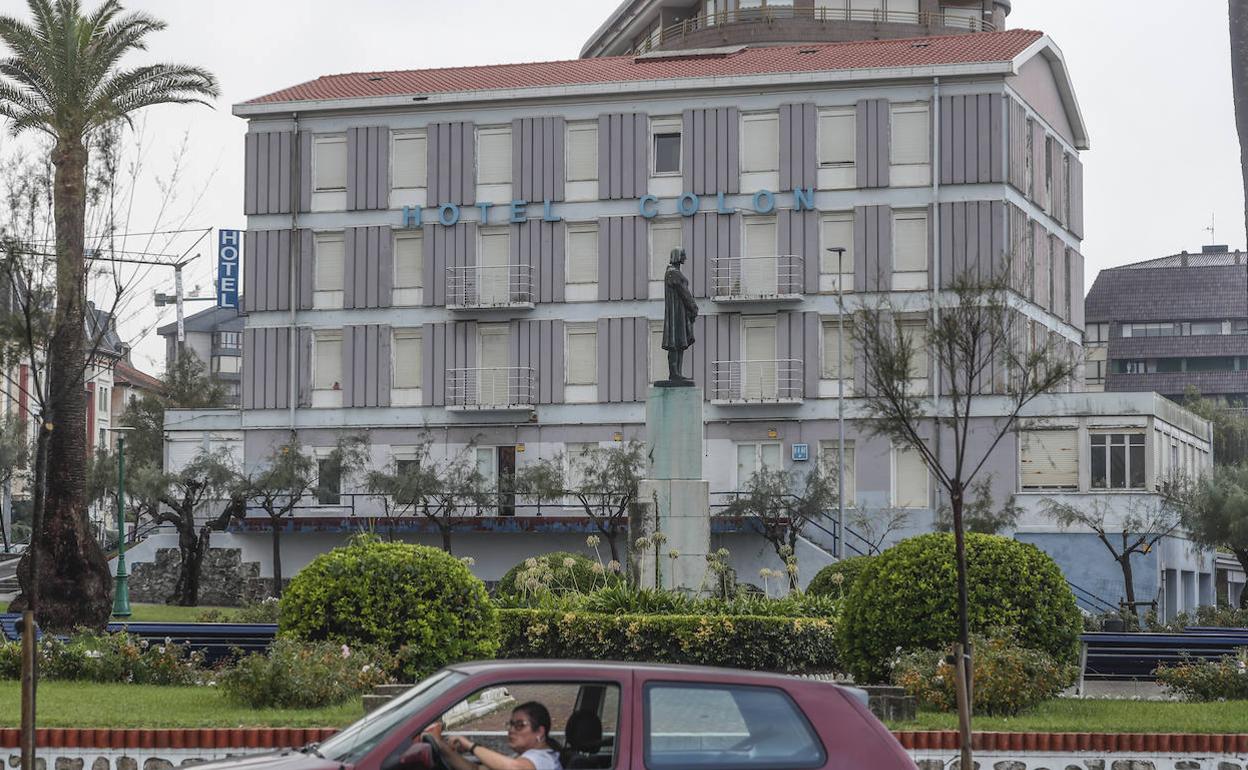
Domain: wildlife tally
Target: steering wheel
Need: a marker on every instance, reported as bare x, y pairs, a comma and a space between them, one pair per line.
439, 762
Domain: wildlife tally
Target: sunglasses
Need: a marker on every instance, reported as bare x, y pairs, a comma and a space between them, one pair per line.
517, 724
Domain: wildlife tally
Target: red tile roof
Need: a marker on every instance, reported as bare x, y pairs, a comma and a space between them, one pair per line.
124, 372
817, 57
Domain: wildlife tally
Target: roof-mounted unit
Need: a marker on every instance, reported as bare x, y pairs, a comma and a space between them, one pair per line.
691, 53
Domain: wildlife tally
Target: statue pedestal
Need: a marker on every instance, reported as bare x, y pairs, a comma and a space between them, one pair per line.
674, 498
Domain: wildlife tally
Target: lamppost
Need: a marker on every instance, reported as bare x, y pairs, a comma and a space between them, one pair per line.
121, 591
840, 400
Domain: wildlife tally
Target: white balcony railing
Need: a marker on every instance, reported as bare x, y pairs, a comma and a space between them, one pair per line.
776, 381
490, 387
487, 286
735, 279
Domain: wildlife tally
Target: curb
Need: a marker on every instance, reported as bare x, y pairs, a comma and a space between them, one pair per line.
912, 740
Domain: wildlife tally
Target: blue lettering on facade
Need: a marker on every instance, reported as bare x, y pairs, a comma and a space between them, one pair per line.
411, 217
649, 206
227, 268
448, 215
485, 207
518, 212
758, 201
547, 214
688, 204
721, 207
804, 200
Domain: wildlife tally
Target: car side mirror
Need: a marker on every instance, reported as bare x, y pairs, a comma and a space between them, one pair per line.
418, 756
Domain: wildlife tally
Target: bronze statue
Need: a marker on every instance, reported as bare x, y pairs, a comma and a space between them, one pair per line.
679, 312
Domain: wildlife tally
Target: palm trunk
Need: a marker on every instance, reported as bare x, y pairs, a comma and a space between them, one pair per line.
1239, 85
73, 575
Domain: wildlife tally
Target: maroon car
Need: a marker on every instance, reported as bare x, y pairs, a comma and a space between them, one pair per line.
618, 715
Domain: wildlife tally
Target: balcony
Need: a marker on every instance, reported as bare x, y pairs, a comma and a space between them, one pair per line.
791, 25
754, 279
485, 287
777, 381
490, 389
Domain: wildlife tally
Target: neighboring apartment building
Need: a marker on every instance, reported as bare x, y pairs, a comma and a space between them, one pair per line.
215, 336
479, 251
1170, 324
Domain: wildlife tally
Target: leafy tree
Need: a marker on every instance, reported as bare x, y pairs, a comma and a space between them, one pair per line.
1124, 534
782, 502
1239, 86
445, 491
602, 480
187, 385
288, 477
63, 77
978, 349
982, 515
1214, 511
14, 458
1230, 428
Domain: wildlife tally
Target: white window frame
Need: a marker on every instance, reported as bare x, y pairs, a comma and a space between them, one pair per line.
582, 228
918, 327
581, 127
923, 154
912, 280
1025, 438
1128, 434
319, 338
829, 451
419, 137
320, 143
772, 163
758, 458
834, 277
327, 293
828, 326
494, 131
406, 334
846, 112
927, 478
570, 379
659, 126
409, 235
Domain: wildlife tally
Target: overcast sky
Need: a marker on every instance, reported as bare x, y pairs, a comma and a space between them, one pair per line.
1152, 78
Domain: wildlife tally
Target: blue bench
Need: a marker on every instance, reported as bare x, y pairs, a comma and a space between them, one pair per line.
1124, 656
218, 641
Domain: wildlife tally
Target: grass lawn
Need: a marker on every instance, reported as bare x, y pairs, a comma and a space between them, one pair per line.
171, 613
1068, 715
81, 704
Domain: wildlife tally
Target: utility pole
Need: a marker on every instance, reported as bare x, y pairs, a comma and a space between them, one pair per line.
840, 401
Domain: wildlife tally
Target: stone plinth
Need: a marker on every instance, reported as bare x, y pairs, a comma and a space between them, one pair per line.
675, 498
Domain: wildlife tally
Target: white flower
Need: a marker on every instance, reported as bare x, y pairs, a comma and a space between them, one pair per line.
613, 565
592, 541
469, 561
530, 562
597, 568
569, 562
673, 554
346, 651
94, 654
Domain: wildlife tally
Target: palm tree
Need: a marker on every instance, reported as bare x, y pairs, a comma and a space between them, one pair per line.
62, 76
1239, 85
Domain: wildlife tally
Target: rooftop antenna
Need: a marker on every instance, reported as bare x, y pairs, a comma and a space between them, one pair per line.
1212, 228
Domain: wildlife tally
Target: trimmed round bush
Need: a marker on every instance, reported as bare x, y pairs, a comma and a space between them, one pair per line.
419, 603
560, 572
906, 599
835, 579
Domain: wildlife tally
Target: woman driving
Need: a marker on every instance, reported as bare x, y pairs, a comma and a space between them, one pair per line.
528, 734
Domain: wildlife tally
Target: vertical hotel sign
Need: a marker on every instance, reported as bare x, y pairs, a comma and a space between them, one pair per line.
228, 262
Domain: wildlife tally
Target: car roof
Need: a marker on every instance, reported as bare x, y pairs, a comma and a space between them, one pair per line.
590, 667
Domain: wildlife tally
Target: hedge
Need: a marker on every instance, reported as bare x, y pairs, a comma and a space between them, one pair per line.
789, 645
826, 583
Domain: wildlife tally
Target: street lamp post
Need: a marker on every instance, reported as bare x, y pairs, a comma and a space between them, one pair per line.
840, 401
121, 592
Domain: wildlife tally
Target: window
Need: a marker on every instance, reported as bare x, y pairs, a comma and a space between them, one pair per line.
715, 726
407, 358
1029, 170
582, 152
493, 356
227, 364
103, 398
829, 454
1048, 173
916, 333
760, 142
493, 274
1136, 366
753, 456
910, 262
658, 356
329, 259
838, 130
494, 155
837, 229
757, 274
911, 136
665, 135
582, 355
1201, 328
580, 457
963, 17
583, 252
1117, 460
408, 158
835, 362
665, 235
328, 482
409, 260
910, 479
1095, 333
1164, 329
1094, 372
329, 163
327, 361
1049, 459
758, 364
228, 340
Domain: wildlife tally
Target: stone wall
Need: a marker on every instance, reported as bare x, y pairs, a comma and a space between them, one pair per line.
225, 579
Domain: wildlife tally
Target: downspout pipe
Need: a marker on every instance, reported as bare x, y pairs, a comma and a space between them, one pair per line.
934, 293
292, 277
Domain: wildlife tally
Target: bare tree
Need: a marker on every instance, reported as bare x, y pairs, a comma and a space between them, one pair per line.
782, 502
1134, 530
602, 480
288, 477
875, 526
979, 351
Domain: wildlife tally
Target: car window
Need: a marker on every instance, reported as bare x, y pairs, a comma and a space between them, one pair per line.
353, 743
584, 718
693, 725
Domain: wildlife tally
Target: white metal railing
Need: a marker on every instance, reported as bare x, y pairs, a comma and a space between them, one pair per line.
760, 381
490, 387
483, 286
768, 277
659, 37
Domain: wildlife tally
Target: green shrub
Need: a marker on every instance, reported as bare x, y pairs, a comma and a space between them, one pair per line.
835, 579
1207, 680
1008, 678
298, 674
418, 603
107, 658
757, 643
626, 600
906, 599
558, 573
264, 611
1219, 617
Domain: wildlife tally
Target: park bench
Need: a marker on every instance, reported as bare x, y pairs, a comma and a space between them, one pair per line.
216, 640
1134, 656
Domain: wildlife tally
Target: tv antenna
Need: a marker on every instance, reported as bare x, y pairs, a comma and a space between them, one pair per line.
1212, 228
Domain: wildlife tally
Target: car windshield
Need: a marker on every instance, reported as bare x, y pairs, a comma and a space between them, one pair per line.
353, 743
